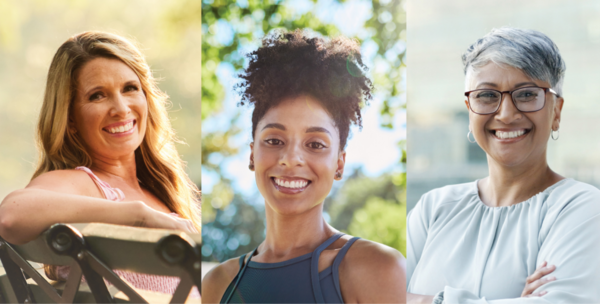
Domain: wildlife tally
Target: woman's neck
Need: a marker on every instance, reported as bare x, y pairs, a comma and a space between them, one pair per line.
506, 186
121, 169
289, 236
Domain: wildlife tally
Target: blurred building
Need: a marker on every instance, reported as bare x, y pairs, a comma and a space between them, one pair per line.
439, 31
439, 155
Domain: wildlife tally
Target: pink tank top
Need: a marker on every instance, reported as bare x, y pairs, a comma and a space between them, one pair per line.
162, 284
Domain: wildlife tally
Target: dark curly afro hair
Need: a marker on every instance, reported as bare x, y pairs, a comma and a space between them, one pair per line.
291, 64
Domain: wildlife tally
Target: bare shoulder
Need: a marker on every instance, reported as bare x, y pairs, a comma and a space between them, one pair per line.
66, 181
368, 257
216, 281
373, 272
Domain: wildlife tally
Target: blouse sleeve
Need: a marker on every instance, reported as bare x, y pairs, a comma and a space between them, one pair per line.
417, 224
569, 239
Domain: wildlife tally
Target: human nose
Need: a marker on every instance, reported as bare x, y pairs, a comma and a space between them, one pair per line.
120, 106
507, 112
291, 156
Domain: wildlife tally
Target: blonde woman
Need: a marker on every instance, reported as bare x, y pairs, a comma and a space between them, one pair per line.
107, 151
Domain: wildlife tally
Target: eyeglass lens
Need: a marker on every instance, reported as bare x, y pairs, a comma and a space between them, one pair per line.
525, 99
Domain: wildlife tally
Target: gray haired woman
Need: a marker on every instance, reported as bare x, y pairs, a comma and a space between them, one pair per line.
524, 231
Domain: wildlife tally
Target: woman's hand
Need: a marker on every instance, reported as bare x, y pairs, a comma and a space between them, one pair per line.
537, 279
155, 219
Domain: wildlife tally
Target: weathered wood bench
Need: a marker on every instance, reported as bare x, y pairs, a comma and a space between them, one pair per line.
93, 251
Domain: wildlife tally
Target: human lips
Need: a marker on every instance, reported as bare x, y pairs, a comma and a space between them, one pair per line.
290, 185
509, 133
120, 127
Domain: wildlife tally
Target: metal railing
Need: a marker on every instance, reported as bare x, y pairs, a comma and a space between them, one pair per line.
93, 251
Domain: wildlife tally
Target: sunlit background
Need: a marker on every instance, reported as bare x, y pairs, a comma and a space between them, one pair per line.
440, 31
369, 202
168, 32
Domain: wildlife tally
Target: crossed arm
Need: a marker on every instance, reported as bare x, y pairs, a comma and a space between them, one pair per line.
570, 242
533, 282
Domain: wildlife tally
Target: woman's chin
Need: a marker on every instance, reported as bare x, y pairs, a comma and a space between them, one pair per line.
290, 207
117, 151
512, 160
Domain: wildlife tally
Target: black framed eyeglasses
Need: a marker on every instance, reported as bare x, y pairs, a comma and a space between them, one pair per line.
527, 99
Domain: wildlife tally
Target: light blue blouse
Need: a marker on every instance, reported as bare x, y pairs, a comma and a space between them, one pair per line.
479, 254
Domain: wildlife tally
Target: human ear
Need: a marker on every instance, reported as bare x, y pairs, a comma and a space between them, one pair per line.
251, 164
558, 104
339, 172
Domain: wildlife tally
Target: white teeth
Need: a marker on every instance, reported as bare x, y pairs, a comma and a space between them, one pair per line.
510, 134
121, 129
291, 184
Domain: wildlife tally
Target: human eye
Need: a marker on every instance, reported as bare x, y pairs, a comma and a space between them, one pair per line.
96, 96
316, 145
487, 96
274, 141
526, 95
131, 87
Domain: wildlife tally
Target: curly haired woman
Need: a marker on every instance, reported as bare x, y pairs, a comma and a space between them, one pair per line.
306, 93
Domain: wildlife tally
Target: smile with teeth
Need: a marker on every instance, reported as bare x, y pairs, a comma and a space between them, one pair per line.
294, 184
121, 129
509, 134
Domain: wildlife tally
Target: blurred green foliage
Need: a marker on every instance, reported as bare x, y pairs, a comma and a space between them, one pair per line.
373, 208
388, 215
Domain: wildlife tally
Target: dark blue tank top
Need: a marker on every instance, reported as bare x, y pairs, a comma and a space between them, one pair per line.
293, 281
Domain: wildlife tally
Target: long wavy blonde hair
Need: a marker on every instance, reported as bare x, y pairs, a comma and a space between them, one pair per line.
159, 168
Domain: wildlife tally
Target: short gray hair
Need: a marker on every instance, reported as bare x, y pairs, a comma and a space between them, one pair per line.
528, 50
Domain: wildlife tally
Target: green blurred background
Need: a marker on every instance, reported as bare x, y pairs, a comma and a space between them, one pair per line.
168, 33
369, 202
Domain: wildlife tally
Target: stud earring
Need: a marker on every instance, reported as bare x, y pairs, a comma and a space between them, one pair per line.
338, 174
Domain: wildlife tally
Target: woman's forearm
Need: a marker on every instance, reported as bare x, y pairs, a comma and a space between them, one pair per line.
25, 213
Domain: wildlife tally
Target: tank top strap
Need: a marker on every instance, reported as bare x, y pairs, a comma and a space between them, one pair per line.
110, 193
243, 266
314, 267
336, 264
242, 257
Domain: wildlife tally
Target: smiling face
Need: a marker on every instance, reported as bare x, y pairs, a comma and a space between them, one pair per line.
109, 110
509, 136
296, 154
